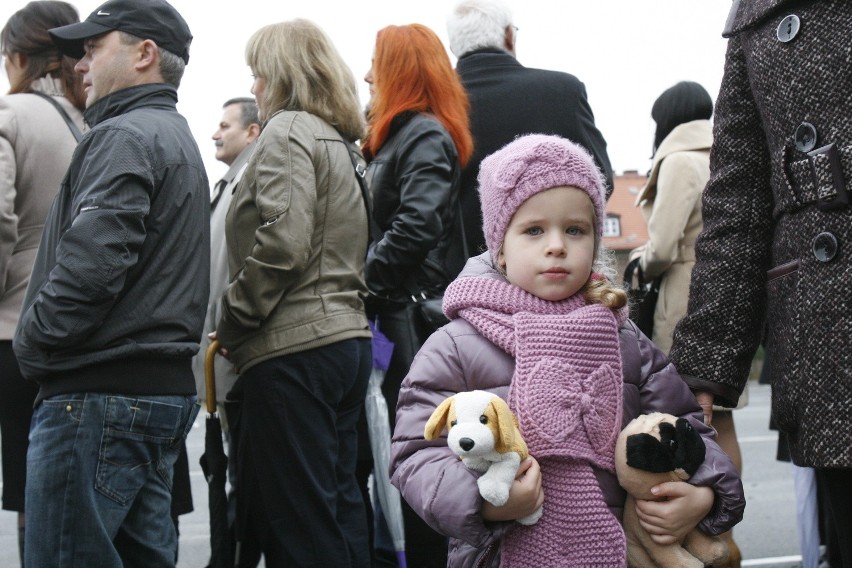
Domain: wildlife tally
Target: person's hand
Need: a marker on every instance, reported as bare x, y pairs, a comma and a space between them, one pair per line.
222, 351
525, 495
670, 520
705, 401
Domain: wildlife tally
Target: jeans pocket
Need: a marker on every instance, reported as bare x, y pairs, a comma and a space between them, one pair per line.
136, 432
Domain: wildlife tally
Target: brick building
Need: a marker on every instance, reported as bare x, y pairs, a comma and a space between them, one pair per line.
624, 226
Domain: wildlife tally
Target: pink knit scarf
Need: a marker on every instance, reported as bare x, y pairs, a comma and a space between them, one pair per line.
567, 395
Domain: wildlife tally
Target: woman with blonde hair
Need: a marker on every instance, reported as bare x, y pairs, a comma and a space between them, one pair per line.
293, 321
44, 103
418, 141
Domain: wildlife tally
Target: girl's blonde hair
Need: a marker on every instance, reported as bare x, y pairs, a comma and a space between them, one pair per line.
304, 72
601, 287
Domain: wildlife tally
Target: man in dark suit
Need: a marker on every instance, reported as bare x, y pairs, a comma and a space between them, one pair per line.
508, 99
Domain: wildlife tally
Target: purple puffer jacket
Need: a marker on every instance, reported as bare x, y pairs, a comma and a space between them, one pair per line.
457, 358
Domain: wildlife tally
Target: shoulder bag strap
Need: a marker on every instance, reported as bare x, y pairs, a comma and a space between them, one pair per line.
460, 215
375, 233
71, 126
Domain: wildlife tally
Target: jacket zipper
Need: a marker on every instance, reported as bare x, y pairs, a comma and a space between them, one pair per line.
487, 556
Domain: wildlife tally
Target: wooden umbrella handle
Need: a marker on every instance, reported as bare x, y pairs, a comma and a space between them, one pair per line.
210, 375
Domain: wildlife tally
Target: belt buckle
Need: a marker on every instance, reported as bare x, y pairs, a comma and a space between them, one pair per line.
827, 175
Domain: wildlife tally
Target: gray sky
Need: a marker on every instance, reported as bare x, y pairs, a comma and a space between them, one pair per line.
625, 51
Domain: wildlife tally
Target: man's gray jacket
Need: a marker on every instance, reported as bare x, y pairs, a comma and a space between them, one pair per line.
220, 277
119, 288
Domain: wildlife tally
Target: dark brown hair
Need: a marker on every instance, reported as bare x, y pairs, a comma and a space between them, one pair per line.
682, 103
26, 34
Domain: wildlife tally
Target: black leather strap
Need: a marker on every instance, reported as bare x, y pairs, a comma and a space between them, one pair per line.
71, 126
361, 175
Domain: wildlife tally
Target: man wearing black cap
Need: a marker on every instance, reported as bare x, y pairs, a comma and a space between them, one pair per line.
116, 302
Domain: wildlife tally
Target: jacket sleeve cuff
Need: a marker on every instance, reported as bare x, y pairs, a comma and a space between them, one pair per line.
723, 395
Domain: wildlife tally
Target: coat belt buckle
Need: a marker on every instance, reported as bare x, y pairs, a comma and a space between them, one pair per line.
827, 174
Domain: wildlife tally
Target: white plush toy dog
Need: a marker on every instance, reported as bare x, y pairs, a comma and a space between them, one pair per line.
484, 433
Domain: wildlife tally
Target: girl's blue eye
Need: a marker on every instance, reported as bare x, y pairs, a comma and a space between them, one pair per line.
574, 231
534, 231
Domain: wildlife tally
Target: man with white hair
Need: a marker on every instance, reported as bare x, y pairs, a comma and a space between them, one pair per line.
508, 99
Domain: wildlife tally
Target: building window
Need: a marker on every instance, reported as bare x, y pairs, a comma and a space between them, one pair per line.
612, 226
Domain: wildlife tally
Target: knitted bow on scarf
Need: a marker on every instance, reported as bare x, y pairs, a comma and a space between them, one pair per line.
561, 399
567, 395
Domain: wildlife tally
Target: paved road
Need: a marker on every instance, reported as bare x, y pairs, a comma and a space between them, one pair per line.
767, 534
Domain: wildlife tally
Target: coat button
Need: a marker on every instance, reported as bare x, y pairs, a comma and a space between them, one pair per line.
788, 28
825, 247
806, 137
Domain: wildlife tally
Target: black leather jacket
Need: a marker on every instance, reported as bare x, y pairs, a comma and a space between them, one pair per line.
414, 181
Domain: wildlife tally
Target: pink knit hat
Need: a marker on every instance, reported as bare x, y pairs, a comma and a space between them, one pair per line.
526, 166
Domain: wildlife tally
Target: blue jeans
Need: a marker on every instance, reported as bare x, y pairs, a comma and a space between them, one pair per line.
99, 476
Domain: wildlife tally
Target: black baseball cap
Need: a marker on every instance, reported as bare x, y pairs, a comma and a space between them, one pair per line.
156, 20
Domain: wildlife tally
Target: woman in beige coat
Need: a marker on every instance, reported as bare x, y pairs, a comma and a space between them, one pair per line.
671, 200
35, 148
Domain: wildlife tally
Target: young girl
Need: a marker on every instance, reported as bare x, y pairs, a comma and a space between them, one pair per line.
536, 323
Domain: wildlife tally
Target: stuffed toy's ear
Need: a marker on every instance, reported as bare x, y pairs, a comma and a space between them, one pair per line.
647, 453
680, 447
436, 423
689, 447
505, 425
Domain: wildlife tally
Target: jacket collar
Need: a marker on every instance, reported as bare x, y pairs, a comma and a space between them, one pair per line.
686, 137
235, 171
400, 120
485, 57
749, 12
48, 85
125, 100
239, 162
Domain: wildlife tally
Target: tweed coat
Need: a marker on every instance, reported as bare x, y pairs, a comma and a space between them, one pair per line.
776, 249
671, 205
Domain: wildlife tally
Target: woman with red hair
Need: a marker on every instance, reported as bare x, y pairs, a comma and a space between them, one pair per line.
418, 141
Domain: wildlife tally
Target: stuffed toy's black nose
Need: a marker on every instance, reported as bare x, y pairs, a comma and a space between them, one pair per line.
466, 444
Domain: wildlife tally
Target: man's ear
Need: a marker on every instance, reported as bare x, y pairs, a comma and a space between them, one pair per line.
253, 131
509, 39
147, 56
